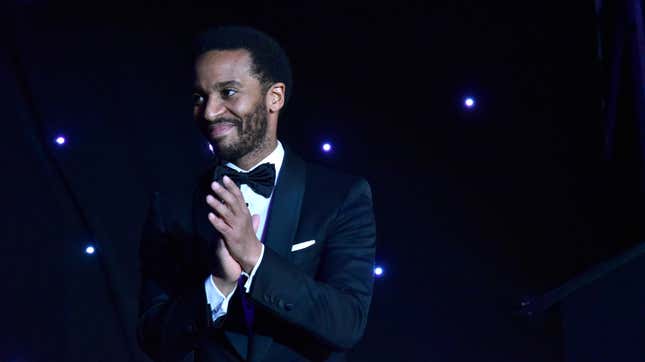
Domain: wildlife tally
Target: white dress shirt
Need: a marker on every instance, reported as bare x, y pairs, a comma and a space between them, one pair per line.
259, 205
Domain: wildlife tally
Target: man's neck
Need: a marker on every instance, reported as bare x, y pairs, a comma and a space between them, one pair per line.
254, 157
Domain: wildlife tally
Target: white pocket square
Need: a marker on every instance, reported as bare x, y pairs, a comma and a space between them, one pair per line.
304, 244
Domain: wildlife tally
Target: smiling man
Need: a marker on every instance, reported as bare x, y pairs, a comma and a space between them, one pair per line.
268, 258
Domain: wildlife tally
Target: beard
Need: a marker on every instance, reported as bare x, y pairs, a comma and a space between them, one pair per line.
251, 131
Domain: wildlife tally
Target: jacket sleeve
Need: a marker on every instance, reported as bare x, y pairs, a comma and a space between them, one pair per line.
172, 309
333, 306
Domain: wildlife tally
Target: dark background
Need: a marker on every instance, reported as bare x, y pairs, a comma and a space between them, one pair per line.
475, 209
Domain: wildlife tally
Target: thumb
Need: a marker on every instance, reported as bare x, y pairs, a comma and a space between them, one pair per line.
256, 222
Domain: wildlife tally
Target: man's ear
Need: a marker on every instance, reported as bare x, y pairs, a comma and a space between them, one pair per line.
276, 97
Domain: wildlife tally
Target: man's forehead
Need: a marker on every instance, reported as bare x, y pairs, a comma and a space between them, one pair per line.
223, 65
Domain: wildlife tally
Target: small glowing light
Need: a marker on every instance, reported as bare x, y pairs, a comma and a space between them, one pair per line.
90, 250
210, 147
378, 271
60, 140
469, 102
326, 147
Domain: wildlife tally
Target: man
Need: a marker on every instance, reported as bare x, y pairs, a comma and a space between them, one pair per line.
269, 258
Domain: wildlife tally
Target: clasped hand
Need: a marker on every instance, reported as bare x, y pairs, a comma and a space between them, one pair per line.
239, 248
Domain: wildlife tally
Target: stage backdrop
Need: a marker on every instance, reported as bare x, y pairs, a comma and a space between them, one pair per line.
475, 207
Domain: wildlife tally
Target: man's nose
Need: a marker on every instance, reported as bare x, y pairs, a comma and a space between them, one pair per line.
214, 109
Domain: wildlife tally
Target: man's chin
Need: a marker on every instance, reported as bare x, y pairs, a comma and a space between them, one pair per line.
224, 141
225, 149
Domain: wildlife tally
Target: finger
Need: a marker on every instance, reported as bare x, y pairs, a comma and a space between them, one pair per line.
256, 222
222, 210
232, 188
226, 196
219, 224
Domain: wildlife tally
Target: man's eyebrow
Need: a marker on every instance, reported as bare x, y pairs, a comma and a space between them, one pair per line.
228, 83
219, 85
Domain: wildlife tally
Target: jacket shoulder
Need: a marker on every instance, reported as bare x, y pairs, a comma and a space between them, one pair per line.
332, 184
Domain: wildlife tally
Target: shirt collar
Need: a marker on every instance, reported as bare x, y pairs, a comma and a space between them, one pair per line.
276, 157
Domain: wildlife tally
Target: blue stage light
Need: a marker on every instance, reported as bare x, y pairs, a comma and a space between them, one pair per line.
90, 250
378, 271
210, 147
60, 140
469, 102
326, 147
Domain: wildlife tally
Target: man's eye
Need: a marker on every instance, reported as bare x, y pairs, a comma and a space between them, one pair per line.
229, 92
198, 99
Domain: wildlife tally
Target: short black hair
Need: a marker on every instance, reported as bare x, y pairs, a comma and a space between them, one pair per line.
270, 61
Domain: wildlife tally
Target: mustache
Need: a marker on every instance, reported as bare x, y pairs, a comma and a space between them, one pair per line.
233, 121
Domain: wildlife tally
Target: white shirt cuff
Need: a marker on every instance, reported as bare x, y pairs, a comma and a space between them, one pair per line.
249, 280
216, 299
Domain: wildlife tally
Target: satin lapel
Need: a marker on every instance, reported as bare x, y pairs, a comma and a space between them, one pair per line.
281, 226
284, 211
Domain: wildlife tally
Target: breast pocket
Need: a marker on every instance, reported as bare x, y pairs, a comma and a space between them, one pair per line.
306, 254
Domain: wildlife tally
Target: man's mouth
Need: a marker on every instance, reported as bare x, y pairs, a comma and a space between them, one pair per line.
220, 129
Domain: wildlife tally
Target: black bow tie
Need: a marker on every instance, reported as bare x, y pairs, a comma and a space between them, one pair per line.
261, 179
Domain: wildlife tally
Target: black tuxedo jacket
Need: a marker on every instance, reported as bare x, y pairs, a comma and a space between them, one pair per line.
310, 304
